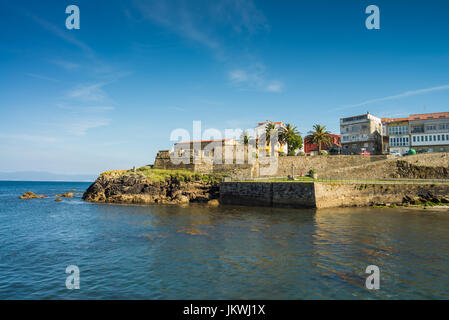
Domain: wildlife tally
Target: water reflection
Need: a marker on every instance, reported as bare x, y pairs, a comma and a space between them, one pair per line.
200, 252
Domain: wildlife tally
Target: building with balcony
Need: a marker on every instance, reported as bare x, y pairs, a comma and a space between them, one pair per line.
362, 133
429, 132
397, 135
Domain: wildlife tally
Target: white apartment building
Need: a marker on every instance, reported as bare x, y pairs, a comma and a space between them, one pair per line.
260, 131
429, 132
362, 133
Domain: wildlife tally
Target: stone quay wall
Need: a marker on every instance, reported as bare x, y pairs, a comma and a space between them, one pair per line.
268, 194
327, 195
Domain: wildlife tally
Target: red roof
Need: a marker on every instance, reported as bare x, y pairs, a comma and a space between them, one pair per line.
425, 116
201, 141
335, 142
395, 119
279, 122
422, 116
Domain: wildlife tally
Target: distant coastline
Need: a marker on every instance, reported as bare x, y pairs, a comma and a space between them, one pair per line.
45, 176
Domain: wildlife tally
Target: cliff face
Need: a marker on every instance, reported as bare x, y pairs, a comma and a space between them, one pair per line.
137, 188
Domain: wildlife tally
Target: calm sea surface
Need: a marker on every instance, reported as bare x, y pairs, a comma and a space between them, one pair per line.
170, 252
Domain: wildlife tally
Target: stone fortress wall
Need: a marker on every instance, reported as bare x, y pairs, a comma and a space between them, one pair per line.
421, 166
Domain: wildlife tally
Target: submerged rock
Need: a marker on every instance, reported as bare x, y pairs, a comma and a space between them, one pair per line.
213, 203
31, 195
66, 195
58, 200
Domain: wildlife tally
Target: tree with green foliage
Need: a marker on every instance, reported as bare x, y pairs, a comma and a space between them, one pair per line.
320, 136
270, 129
245, 137
290, 135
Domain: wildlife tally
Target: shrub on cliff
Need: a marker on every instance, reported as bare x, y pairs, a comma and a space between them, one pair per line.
323, 153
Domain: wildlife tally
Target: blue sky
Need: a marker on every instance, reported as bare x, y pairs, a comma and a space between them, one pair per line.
107, 96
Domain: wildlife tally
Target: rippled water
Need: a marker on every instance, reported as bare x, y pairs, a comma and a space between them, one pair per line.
170, 252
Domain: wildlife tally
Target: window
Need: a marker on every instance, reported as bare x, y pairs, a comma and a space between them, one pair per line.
393, 130
439, 137
442, 137
426, 138
418, 129
414, 139
430, 138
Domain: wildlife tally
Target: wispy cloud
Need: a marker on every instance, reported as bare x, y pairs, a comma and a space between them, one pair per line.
254, 79
275, 86
176, 109
85, 109
81, 126
184, 18
63, 34
41, 77
211, 26
89, 93
397, 96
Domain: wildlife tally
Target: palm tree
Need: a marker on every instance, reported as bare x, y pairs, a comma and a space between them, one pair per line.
290, 135
320, 136
245, 137
269, 130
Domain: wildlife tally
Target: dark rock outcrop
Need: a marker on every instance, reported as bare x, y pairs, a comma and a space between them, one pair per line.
137, 188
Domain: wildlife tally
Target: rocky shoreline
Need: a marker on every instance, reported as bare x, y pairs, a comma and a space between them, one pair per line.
139, 189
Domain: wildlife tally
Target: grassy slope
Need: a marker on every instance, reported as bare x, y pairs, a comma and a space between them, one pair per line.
159, 175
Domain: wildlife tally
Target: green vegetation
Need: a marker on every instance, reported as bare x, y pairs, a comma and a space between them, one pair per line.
245, 138
270, 128
160, 175
323, 153
430, 203
292, 137
320, 136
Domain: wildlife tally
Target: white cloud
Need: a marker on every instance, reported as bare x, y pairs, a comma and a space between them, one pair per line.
81, 127
238, 76
206, 28
398, 96
89, 93
275, 86
61, 33
254, 79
